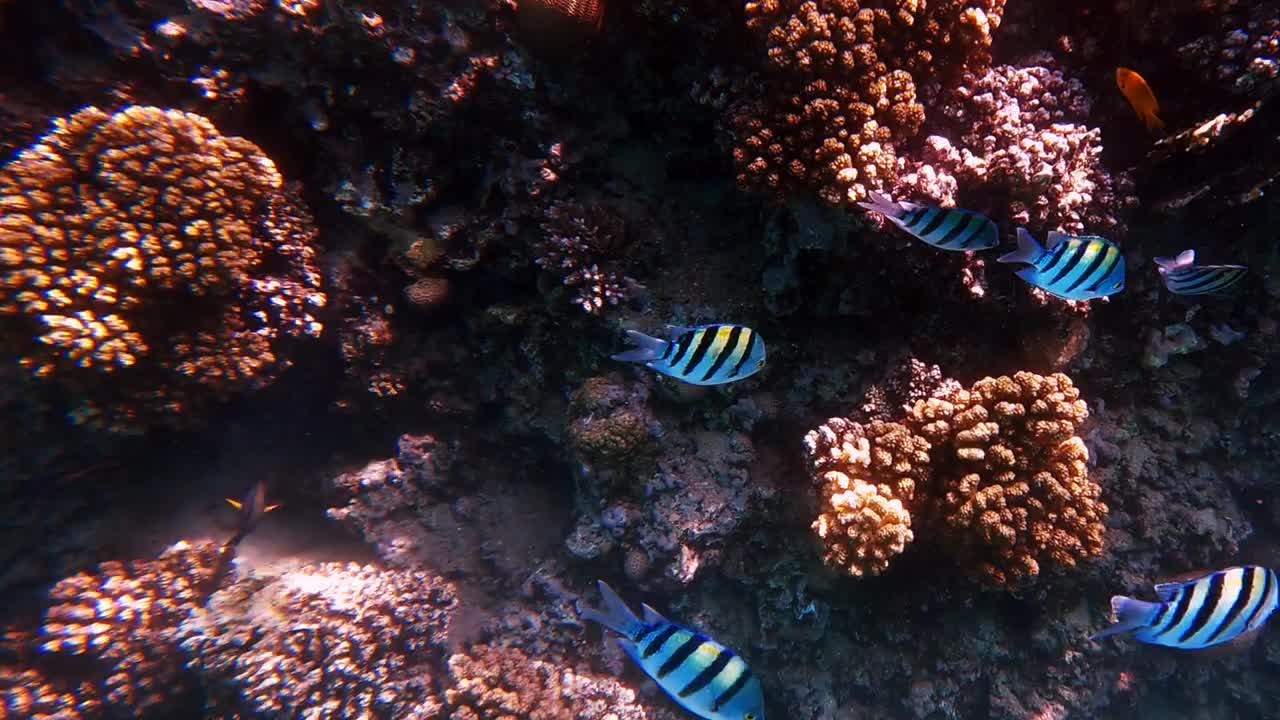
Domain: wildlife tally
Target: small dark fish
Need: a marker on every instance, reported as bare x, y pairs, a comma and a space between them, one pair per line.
1183, 277
251, 509
944, 228
1072, 268
1200, 613
702, 355
703, 676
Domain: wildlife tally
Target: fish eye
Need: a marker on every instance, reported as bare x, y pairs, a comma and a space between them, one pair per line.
749, 716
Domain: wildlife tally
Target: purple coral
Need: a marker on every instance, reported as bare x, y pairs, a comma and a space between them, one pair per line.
1019, 136
575, 248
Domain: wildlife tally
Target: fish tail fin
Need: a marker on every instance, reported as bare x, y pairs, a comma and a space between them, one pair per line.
1153, 121
647, 348
1029, 250
613, 613
1130, 615
881, 203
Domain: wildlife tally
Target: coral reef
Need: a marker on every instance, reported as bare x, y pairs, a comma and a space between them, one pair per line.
109, 641
844, 84
114, 221
996, 471
328, 640
573, 248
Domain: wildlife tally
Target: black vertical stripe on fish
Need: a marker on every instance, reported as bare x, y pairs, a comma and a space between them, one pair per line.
911, 216
1070, 263
643, 633
961, 233
1180, 611
752, 339
732, 690
681, 654
1267, 581
657, 643
1164, 608
1053, 256
725, 353
704, 344
1214, 279
708, 673
1106, 272
666, 352
923, 219
979, 223
1098, 258
1207, 607
935, 222
684, 342
1191, 275
1237, 607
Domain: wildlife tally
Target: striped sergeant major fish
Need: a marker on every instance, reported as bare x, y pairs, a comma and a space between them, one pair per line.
1184, 277
1073, 267
703, 676
946, 228
1200, 613
702, 355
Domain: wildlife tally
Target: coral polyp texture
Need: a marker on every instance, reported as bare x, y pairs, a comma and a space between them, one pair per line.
868, 478
844, 89
108, 645
150, 264
1012, 475
325, 641
996, 472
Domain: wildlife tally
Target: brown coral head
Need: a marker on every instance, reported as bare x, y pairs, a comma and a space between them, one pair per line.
428, 292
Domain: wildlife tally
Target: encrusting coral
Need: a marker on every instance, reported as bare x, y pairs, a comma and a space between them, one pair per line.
996, 473
844, 88
150, 263
325, 641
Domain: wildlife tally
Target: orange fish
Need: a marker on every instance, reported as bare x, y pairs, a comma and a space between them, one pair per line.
1138, 93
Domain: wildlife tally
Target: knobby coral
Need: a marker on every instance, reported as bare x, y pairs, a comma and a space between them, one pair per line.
996, 474
109, 640
149, 263
868, 476
325, 641
843, 89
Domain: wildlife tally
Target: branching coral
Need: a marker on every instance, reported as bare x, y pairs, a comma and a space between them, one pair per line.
1012, 474
868, 480
844, 81
109, 640
996, 473
327, 640
150, 262
574, 248
1022, 143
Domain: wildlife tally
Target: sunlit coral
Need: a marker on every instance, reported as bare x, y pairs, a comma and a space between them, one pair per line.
150, 262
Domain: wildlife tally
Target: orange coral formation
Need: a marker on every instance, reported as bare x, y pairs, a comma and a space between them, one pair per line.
137, 247
869, 476
844, 86
1015, 478
997, 473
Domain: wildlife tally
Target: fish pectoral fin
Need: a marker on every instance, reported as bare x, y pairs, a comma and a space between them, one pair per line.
234, 503
269, 508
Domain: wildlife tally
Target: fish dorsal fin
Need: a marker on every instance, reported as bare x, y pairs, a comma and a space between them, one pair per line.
653, 617
1166, 591
673, 332
1054, 237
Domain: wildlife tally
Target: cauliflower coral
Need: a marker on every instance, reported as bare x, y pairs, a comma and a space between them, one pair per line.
148, 263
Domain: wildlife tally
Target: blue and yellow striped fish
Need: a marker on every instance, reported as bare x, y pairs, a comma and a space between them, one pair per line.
1199, 613
703, 676
1183, 277
945, 228
1073, 267
702, 355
